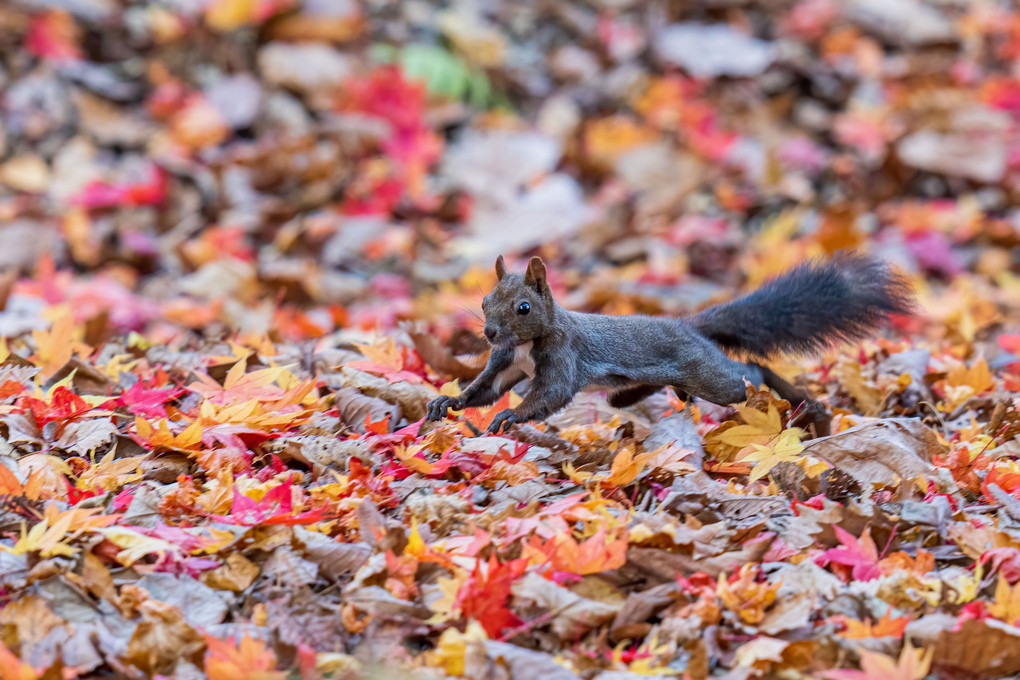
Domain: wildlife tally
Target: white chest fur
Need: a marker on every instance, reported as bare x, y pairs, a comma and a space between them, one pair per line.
523, 365
523, 360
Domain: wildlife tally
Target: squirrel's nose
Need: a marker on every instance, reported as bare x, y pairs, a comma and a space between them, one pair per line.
490, 333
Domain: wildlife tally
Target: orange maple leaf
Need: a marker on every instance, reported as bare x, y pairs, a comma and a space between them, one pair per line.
241, 386
481, 417
250, 660
920, 564
625, 469
378, 426
161, 438
11, 667
962, 383
913, 664
591, 556
887, 626
747, 595
10, 486
56, 346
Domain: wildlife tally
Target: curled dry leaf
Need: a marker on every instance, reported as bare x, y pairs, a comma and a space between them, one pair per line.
236, 574
335, 559
880, 451
320, 452
572, 613
162, 638
355, 407
526, 664
439, 357
588, 408
411, 398
85, 437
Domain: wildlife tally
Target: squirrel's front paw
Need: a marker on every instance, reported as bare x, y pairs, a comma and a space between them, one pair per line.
438, 407
503, 420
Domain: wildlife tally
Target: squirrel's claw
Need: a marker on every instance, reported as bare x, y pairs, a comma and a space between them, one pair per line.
503, 420
438, 407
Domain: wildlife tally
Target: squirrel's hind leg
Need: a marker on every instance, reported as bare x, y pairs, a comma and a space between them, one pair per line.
629, 396
808, 412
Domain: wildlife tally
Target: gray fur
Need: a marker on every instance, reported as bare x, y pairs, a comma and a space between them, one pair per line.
632, 356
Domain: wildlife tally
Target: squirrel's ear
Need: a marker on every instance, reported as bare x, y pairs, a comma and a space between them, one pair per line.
500, 268
535, 276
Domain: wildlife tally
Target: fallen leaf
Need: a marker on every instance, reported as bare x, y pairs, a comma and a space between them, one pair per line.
880, 451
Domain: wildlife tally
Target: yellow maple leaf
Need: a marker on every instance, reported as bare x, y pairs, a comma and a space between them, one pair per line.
43, 539
812, 466
408, 455
51, 537
627, 466
868, 397
1007, 601
134, 546
962, 383
444, 607
453, 648
745, 595
786, 449
415, 544
56, 346
758, 428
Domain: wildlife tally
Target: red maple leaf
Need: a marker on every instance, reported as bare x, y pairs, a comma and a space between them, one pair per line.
143, 401
861, 555
483, 596
52, 35
964, 467
1007, 560
63, 406
276, 507
100, 194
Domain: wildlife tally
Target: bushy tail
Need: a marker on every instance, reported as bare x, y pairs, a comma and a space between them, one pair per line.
811, 307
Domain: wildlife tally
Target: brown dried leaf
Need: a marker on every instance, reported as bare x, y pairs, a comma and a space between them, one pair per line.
526, 664
355, 406
411, 399
28, 620
162, 638
237, 574
85, 436
877, 452
868, 397
335, 559
442, 360
987, 648
573, 613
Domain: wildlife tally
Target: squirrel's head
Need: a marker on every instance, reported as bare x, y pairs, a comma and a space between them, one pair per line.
520, 308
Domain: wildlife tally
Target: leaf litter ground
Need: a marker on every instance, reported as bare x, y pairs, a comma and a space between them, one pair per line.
245, 243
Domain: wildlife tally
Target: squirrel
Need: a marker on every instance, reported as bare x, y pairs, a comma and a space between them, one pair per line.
810, 307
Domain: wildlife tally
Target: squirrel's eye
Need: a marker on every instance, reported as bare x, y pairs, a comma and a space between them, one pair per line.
523, 308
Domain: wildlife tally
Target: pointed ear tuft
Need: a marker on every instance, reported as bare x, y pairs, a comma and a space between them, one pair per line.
535, 276
500, 268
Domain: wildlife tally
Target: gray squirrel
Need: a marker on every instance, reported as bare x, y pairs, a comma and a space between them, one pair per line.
810, 307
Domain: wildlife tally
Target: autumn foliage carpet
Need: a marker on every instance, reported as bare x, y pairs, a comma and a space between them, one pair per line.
243, 243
